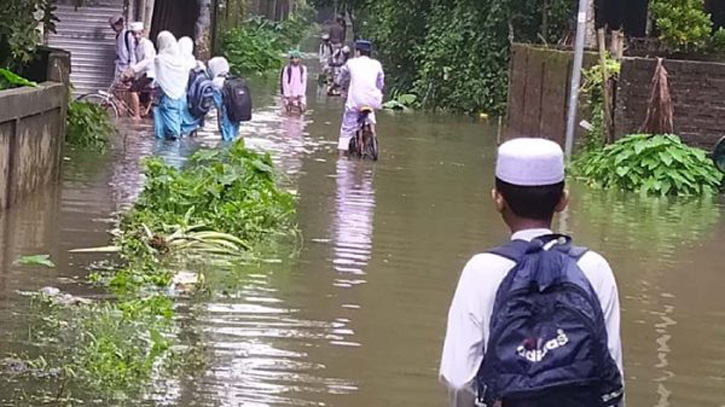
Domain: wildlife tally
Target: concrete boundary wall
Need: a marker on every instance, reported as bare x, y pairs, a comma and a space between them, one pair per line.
32, 131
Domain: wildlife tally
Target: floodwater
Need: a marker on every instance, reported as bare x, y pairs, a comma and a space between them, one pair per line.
357, 317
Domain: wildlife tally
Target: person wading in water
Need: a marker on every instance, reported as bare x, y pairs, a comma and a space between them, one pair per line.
535, 322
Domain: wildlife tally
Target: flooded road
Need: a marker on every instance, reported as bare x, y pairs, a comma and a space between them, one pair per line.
357, 317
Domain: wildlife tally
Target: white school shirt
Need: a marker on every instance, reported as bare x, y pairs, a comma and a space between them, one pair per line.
145, 54
470, 315
125, 51
366, 83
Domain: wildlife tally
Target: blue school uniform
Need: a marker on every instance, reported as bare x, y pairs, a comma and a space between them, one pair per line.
228, 128
168, 117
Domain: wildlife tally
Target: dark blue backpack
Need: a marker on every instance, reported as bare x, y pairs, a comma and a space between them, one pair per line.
200, 93
548, 339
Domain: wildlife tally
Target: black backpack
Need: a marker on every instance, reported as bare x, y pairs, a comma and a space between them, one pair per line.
200, 93
237, 100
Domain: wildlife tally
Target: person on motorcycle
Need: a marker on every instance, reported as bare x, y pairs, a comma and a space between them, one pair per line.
339, 59
367, 80
293, 82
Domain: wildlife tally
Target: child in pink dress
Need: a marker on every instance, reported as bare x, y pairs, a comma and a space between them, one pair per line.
293, 80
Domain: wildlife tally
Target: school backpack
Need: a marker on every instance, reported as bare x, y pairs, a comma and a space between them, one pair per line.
548, 339
200, 93
237, 100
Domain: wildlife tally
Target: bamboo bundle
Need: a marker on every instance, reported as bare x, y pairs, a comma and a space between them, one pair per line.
660, 115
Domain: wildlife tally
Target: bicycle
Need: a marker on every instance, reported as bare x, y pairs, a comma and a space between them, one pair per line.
364, 144
293, 105
112, 100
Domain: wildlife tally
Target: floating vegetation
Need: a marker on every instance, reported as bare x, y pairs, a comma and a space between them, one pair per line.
219, 208
35, 260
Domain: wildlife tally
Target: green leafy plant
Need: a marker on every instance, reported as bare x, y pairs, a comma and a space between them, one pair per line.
88, 126
455, 54
232, 191
593, 90
223, 202
19, 33
9, 80
258, 44
717, 41
683, 24
35, 260
657, 165
402, 102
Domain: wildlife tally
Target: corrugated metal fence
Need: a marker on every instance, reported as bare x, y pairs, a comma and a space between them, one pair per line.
85, 33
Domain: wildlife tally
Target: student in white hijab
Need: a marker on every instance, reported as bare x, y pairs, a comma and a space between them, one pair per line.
186, 47
218, 72
171, 76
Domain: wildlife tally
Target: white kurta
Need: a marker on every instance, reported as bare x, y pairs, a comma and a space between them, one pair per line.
366, 83
125, 55
470, 314
145, 54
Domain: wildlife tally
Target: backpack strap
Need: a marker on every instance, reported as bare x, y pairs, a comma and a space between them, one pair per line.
513, 250
129, 47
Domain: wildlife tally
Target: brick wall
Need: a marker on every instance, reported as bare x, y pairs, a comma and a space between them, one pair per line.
698, 96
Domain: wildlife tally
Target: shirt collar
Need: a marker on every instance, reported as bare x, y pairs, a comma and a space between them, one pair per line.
530, 234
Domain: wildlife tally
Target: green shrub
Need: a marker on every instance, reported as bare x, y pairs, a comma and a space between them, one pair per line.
683, 24
593, 89
19, 34
88, 126
717, 42
257, 46
455, 54
658, 165
232, 191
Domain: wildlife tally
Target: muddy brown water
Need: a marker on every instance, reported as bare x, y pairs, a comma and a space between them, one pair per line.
357, 317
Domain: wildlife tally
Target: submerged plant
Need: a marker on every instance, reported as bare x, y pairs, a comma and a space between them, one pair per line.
88, 126
658, 165
223, 203
232, 191
35, 260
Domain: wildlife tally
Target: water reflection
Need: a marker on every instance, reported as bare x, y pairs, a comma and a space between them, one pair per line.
357, 319
353, 223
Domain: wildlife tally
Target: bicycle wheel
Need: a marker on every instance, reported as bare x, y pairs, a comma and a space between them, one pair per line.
353, 150
372, 146
102, 101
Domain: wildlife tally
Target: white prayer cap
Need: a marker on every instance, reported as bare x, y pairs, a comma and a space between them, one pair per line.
530, 162
136, 26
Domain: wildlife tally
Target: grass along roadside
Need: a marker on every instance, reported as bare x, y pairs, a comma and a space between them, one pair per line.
215, 211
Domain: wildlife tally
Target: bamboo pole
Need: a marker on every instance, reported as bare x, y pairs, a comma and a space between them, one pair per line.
605, 86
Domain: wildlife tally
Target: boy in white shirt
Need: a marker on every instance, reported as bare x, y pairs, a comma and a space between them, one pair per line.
536, 322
